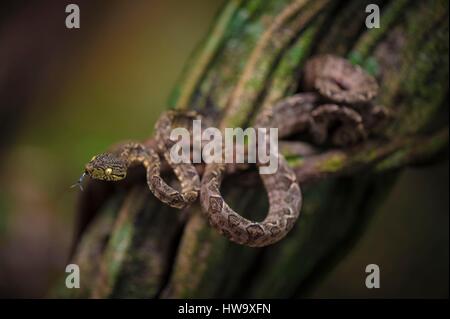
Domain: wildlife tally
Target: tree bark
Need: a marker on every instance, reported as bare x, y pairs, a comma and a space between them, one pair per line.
252, 57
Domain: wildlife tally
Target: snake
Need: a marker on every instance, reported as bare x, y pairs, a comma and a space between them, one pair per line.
113, 165
284, 196
338, 80
336, 107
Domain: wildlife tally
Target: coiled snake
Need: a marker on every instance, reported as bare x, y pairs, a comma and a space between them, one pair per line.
337, 110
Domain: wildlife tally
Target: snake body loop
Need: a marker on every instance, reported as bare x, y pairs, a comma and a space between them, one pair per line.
185, 172
284, 200
337, 80
284, 194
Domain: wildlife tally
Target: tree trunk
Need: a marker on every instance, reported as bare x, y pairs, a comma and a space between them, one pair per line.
252, 57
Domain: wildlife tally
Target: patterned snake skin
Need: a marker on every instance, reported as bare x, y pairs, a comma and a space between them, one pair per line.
337, 110
284, 194
338, 80
112, 166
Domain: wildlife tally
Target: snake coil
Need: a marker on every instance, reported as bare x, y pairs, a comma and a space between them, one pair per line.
337, 109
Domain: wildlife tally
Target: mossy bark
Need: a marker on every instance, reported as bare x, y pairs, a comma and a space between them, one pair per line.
251, 58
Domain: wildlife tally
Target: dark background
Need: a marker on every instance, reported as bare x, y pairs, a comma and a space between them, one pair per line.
67, 94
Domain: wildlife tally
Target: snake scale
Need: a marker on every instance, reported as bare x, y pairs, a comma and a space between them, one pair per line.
336, 108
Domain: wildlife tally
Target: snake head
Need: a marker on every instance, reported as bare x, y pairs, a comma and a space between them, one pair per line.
106, 167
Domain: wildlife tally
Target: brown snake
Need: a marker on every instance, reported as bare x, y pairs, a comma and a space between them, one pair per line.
337, 110
113, 166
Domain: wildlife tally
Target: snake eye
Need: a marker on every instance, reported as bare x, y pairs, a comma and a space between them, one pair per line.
108, 171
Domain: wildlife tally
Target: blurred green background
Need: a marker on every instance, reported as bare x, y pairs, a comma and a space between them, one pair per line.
68, 94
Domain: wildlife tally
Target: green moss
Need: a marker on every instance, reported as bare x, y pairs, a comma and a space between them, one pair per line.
356, 58
295, 161
117, 248
284, 75
423, 87
199, 60
366, 157
370, 64
206, 242
392, 161
415, 150
333, 163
